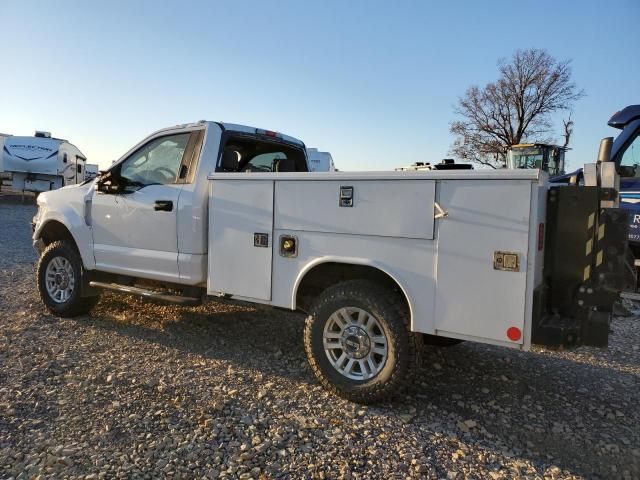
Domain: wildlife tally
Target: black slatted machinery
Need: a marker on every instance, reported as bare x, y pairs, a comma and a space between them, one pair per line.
584, 267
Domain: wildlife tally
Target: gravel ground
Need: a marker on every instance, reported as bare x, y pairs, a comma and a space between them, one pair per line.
144, 391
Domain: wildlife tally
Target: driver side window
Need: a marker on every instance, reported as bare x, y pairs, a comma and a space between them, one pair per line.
630, 163
158, 162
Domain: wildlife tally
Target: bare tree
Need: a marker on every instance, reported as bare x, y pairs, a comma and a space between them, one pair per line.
567, 126
516, 108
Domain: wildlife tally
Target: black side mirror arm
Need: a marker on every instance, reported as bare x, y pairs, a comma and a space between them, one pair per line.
107, 182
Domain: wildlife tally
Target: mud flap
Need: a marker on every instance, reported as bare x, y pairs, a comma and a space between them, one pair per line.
584, 269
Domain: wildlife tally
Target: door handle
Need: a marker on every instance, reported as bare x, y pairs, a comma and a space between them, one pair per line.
163, 206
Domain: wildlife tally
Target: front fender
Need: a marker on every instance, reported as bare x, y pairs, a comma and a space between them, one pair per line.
71, 215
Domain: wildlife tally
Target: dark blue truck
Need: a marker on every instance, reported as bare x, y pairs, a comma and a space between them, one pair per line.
625, 152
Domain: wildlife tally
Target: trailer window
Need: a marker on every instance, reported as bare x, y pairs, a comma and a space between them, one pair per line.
630, 163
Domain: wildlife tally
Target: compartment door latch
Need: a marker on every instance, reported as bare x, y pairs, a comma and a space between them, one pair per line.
439, 211
261, 240
346, 196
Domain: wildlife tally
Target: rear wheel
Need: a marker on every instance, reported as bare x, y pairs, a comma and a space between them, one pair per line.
59, 277
358, 341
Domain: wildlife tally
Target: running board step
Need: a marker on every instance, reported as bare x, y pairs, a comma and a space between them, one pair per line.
163, 297
630, 295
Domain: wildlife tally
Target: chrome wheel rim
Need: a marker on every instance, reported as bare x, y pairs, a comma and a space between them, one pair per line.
355, 343
60, 279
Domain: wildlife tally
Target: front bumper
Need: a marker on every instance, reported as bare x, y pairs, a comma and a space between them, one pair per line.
38, 246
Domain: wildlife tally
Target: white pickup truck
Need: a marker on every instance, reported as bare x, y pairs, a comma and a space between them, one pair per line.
380, 262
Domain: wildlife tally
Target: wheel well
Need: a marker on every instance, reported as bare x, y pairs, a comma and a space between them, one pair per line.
322, 276
54, 231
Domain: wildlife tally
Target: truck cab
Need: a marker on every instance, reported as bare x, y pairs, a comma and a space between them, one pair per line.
625, 152
145, 217
549, 158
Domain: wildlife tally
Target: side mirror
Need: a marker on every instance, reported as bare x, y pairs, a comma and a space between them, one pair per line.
101, 186
604, 153
107, 182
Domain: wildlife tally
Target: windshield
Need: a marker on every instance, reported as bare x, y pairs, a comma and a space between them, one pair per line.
630, 163
157, 162
534, 157
526, 158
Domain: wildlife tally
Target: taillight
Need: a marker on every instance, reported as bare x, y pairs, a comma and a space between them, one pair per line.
268, 133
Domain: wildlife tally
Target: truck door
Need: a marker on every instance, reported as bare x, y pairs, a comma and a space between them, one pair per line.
134, 231
485, 218
629, 168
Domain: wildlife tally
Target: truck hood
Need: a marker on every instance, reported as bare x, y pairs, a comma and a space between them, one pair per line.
68, 194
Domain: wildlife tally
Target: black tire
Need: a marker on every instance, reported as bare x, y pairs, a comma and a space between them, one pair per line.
390, 312
76, 304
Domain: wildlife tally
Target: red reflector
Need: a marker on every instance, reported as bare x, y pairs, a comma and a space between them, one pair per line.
269, 133
540, 237
514, 334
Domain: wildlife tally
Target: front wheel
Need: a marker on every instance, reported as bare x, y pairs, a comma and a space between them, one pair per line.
59, 276
358, 341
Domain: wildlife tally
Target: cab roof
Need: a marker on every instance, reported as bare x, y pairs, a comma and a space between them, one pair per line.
543, 145
621, 118
234, 127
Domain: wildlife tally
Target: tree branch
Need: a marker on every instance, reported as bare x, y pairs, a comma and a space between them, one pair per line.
518, 107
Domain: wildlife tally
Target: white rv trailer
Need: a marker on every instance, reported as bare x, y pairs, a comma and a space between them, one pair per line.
41, 163
3, 175
91, 171
320, 161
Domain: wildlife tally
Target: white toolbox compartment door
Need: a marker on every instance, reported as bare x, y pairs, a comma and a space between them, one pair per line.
473, 298
385, 208
240, 238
